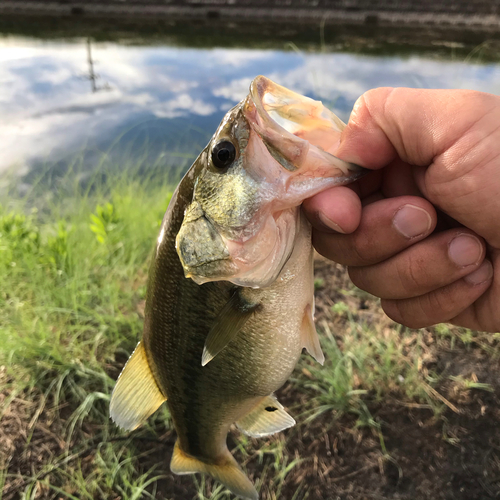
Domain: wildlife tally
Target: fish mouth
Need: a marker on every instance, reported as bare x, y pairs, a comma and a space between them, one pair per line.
299, 132
200, 247
215, 270
206, 255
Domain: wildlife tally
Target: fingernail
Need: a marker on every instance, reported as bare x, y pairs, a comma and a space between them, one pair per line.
465, 250
352, 158
481, 275
329, 223
412, 221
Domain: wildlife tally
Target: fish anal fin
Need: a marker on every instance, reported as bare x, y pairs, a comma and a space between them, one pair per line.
226, 470
309, 336
227, 325
136, 395
267, 418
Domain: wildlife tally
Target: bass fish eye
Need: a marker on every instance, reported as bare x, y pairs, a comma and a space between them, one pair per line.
223, 154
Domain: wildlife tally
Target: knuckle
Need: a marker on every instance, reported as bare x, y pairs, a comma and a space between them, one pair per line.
412, 274
439, 305
363, 252
411, 313
443, 187
369, 106
360, 255
398, 311
378, 97
336, 247
345, 249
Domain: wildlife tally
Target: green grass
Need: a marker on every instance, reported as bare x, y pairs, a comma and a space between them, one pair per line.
73, 281
70, 280
72, 287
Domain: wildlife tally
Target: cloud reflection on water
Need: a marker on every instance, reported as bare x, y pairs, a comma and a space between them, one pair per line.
47, 108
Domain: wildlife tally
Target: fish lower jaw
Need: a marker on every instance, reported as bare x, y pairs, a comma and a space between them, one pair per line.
256, 262
210, 271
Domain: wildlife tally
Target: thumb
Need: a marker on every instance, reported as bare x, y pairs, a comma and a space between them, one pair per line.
415, 124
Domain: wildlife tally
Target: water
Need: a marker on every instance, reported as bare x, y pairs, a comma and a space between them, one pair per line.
75, 101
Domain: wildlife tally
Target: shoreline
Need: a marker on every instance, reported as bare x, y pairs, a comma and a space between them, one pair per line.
484, 22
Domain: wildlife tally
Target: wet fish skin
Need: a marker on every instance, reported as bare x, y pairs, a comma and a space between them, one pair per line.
270, 339
214, 221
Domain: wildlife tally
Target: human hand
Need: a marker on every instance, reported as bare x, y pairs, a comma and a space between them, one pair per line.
422, 231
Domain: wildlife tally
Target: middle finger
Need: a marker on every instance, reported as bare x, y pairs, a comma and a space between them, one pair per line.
435, 262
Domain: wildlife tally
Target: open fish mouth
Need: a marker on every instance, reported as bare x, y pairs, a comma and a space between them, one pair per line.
299, 132
271, 152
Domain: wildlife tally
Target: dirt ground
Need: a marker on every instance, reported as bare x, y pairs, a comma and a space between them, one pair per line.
451, 456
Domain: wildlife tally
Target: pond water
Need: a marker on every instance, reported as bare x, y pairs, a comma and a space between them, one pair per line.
75, 100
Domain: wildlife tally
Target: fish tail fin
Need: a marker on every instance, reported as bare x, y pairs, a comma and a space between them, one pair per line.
227, 471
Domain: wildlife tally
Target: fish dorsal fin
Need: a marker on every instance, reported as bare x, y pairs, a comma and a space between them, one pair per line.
309, 336
227, 325
268, 417
226, 470
136, 395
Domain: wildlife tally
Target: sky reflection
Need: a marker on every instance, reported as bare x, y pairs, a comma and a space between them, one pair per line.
48, 110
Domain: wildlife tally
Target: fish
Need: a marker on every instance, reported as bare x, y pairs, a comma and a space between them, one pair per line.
230, 298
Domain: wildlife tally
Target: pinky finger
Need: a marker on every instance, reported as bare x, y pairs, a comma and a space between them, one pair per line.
443, 304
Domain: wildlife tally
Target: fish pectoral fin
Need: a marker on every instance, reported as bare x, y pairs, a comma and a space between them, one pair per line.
309, 336
227, 325
136, 394
268, 417
226, 470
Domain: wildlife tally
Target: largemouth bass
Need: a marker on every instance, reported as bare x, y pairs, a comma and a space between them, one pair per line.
230, 299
